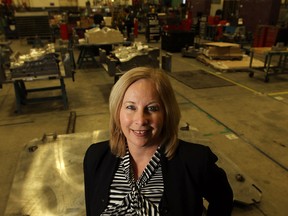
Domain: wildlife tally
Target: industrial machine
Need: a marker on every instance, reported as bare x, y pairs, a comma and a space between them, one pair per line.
125, 58
40, 64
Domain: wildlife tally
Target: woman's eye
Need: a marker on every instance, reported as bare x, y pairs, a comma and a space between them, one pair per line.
130, 107
153, 108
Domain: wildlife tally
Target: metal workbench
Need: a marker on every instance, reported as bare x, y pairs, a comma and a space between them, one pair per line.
89, 51
51, 66
125, 58
49, 177
269, 54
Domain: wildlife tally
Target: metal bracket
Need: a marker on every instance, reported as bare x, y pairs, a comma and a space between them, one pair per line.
49, 137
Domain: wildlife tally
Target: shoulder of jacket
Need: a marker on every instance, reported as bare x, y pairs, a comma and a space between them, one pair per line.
189, 146
98, 149
189, 150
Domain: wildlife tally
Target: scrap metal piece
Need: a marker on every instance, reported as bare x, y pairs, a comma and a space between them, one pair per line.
244, 188
185, 127
190, 51
49, 137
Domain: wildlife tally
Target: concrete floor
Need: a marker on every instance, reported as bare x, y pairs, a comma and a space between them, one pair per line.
246, 122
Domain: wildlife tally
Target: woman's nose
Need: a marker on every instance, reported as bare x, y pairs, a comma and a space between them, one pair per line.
141, 117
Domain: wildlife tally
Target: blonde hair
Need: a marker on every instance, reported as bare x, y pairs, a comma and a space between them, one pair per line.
171, 116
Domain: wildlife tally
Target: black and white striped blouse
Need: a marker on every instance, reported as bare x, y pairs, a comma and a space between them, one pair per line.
142, 197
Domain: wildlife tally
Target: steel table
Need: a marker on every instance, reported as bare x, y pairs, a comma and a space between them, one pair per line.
269, 54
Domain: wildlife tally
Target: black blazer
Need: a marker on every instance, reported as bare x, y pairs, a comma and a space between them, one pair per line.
189, 176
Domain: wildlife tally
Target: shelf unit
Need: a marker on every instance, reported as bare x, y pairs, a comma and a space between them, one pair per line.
33, 24
152, 27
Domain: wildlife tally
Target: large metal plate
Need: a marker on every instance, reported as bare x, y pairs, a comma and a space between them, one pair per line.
49, 177
245, 190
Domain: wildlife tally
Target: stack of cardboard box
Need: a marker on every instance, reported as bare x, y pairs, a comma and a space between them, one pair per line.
223, 51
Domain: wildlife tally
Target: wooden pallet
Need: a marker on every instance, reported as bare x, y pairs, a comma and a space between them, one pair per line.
230, 65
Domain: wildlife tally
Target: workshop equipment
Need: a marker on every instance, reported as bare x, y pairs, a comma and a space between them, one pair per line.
38, 65
175, 40
167, 62
190, 51
94, 40
152, 27
125, 58
103, 36
46, 64
33, 24
269, 68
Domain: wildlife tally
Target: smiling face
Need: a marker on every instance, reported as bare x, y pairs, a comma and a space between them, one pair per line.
142, 115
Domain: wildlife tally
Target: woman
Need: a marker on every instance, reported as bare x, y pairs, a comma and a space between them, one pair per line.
144, 169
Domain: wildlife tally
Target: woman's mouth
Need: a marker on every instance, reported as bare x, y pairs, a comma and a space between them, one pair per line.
140, 132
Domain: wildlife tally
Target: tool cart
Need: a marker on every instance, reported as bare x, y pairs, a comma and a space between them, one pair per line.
152, 27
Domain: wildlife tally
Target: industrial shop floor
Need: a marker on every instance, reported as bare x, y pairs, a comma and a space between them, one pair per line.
247, 122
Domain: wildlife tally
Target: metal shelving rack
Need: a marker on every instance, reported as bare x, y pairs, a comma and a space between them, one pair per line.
33, 24
152, 27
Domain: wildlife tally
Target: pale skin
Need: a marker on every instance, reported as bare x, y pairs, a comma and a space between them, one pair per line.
141, 119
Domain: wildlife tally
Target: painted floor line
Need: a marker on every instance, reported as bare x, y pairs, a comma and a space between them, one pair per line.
248, 88
277, 93
236, 83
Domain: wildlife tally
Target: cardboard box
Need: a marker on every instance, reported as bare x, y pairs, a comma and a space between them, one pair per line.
86, 22
221, 50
